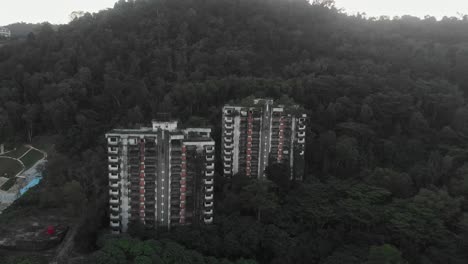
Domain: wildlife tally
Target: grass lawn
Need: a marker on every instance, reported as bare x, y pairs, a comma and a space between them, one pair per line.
17, 152
31, 158
9, 168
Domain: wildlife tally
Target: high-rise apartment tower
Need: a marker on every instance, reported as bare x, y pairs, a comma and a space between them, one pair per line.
258, 133
160, 176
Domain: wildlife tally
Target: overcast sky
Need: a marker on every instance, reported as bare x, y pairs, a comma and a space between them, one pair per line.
54, 11
420, 8
57, 11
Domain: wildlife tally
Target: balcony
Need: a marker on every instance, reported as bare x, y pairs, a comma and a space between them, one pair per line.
227, 171
113, 141
301, 153
301, 134
209, 149
115, 223
228, 111
115, 217
228, 146
113, 159
208, 220
208, 212
208, 197
227, 152
210, 166
151, 159
113, 167
150, 171
229, 126
114, 208
209, 182
113, 176
175, 162
112, 150
208, 204
209, 189
228, 133
209, 174
113, 193
114, 185
302, 119
228, 119
227, 158
210, 158
114, 200
227, 165
301, 141
302, 127
150, 148
228, 139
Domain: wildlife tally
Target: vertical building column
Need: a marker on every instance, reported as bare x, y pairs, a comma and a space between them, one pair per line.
281, 140
265, 137
124, 188
170, 173
248, 166
293, 147
234, 152
208, 185
114, 194
300, 134
183, 184
142, 180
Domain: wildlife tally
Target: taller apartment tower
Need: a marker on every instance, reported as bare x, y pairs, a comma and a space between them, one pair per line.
259, 133
160, 176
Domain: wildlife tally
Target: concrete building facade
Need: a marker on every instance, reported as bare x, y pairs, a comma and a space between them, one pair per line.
259, 133
160, 176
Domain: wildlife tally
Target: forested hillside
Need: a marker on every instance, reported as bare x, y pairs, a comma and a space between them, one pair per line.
387, 170
21, 30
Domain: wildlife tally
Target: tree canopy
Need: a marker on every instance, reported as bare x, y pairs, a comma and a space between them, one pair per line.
386, 175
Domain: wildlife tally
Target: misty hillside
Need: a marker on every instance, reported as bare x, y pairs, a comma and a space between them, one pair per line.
387, 170
21, 30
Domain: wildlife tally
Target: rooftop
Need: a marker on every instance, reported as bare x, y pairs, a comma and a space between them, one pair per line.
286, 103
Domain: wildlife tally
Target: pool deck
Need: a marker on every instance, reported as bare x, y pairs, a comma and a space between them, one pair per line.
30, 175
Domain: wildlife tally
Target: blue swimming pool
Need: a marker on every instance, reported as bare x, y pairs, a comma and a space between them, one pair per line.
31, 184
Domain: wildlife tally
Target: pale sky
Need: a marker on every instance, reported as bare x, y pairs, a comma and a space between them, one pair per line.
58, 11
419, 8
53, 11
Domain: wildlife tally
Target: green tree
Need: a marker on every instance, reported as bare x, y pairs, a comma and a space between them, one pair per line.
258, 196
385, 254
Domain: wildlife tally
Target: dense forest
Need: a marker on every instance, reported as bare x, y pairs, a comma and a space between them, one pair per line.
387, 170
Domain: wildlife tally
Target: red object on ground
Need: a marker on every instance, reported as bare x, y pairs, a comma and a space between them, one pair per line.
51, 230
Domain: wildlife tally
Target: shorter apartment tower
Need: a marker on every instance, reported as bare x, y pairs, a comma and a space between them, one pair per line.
259, 132
161, 176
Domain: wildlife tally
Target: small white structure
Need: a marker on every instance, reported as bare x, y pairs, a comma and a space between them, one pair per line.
5, 32
164, 125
